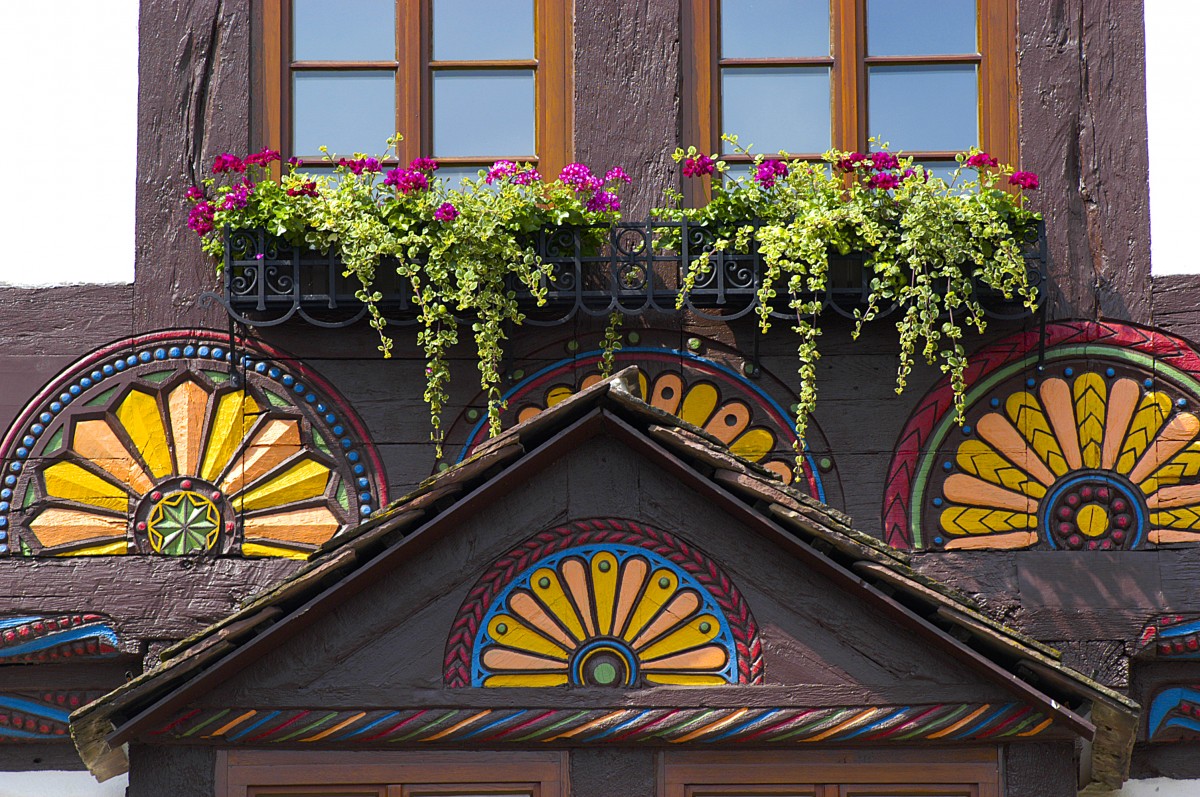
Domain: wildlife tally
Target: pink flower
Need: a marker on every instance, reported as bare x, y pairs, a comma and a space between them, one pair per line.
884, 180
1026, 180
406, 180
580, 177
769, 171
500, 170
427, 165
308, 189
616, 173
883, 160
446, 212
200, 218
195, 192
239, 196
293, 161
980, 160
698, 166
228, 163
851, 162
371, 165
360, 165
527, 177
602, 201
264, 158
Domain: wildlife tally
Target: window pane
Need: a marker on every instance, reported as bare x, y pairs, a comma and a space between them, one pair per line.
332, 30
345, 111
945, 171
774, 109
924, 107
774, 28
479, 30
483, 113
921, 27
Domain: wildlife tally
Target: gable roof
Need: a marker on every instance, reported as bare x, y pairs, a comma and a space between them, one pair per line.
821, 537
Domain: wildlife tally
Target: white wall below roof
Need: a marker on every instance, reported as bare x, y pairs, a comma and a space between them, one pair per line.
68, 101
1173, 116
59, 784
1154, 787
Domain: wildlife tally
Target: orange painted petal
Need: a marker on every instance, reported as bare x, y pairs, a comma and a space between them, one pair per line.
505, 659
308, 526
710, 657
729, 421
1056, 398
1173, 438
1165, 536
525, 606
780, 469
187, 406
633, 576
62, 526
681, 607
1171, 497
277, 441
96, 441
1016, 539
1008, 442
668, 392
1122, 401
575, 576
964, 489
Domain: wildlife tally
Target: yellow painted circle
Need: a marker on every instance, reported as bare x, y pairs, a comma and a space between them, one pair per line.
1092, 520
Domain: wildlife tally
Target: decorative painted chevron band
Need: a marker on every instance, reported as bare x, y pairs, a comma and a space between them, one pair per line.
38, 717
1173, 636
1174, 714
31, 640
463, 726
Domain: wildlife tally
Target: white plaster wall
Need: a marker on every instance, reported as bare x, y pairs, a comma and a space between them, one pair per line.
59, 784
1173, 111
68, 136
1155, 787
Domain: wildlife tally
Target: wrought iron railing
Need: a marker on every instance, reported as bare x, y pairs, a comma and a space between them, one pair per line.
633, 268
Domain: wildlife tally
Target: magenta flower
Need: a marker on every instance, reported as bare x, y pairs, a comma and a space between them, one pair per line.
293, 161
579, 177
527, 177
980, 160
500, 170
602, 201
884, 180
698, 166
616, 173
883, 160
406, 180
200, 218
264, 158
1026, 180
427, 165
371, 165
239, 196
195, 192
228, 163
446, 212
851, 162
769, 171
308, 189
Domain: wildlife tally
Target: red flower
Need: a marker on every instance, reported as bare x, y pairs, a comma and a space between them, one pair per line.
882, 161
264, 158
698, 166
228, 163
980, 160
1026, 180
851, 162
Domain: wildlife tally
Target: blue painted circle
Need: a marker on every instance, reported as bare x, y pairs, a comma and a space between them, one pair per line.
1120, 486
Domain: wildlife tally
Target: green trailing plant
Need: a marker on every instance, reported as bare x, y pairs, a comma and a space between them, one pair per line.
925, 244
465, 250
461, 249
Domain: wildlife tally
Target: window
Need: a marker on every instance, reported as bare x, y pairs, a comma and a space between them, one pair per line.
466, 81
255, 773
934, 77
947, 772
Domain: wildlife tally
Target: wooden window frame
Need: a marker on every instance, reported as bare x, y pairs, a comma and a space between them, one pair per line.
272, 70
247, 773
848, 61
952, 772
